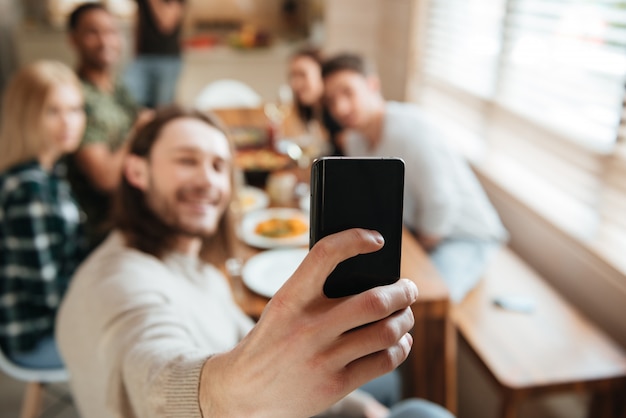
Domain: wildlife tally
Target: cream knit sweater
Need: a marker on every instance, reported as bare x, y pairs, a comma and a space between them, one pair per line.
135, 331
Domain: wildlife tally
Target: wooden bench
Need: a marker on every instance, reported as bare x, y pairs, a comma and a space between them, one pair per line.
553, 348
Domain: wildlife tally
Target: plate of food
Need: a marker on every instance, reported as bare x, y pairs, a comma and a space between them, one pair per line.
275, 227
252, 198
266, 272
305, 203
248, 136
257, 164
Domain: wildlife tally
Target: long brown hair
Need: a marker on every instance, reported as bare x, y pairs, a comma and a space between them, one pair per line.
142, 228
306, 112
21, 138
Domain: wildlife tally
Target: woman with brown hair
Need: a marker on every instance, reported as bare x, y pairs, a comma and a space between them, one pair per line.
41, 235
305, 80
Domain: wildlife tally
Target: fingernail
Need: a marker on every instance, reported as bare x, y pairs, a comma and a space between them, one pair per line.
406, 342
409, 339
378, 238
414, 291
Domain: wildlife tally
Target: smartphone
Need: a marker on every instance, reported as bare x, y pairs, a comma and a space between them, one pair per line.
359, 193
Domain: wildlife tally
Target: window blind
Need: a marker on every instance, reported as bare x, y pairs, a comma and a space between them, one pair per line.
463, 43
621, 134
523, 75
563, 65
559, 63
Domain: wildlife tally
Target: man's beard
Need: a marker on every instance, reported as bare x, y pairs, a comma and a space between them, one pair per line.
93, 61
165, 211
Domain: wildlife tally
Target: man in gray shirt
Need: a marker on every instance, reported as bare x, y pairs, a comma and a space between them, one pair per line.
150, 328
444, 204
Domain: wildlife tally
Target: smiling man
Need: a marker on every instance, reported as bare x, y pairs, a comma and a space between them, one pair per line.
150, 329
444, 204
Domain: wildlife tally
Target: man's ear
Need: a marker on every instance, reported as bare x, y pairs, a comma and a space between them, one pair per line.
136, 171
71, 40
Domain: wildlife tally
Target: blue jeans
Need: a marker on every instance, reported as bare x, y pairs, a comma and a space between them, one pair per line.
152, 79
418, 408
387, 390
45, 355
462, 262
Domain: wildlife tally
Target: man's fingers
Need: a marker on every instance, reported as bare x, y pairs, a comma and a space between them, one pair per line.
373, 305
372, 338
374, 365
309, 278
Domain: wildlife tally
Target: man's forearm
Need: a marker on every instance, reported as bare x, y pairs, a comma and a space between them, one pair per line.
102, 167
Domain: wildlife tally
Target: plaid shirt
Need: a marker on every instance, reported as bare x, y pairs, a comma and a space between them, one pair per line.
41, 244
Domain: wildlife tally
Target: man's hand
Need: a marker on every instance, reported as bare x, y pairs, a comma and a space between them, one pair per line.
308, 351
103, 166
143, 117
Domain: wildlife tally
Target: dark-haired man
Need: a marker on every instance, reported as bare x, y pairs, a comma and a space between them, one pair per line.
94, 170
149, 329
444, 203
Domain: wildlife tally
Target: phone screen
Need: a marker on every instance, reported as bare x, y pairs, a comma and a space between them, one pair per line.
359, 193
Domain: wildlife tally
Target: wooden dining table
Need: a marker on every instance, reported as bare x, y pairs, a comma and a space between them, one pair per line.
430, 370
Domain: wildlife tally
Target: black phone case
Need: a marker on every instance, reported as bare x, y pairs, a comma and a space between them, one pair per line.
359, 193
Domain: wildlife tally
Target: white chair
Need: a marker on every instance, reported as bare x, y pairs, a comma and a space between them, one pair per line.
36, 379
227, 93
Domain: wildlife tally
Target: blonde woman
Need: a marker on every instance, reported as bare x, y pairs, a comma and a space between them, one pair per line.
41, 233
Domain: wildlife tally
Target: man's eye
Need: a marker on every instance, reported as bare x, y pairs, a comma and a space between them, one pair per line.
219, 166
51, 111
186, 161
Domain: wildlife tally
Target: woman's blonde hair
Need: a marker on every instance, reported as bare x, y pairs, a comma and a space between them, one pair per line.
21, 138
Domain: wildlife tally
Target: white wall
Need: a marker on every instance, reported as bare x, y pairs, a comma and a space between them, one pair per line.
378, 29
266, 14
264, 70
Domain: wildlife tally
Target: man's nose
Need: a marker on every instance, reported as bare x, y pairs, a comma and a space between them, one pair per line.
342, 107
206, 174
67, 117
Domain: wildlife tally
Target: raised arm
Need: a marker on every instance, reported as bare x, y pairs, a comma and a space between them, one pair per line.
305, 353
102, 165
308, 351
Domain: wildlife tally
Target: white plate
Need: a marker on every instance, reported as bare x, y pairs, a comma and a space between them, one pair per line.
266, 272
252, 198
252, 219
305, 203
